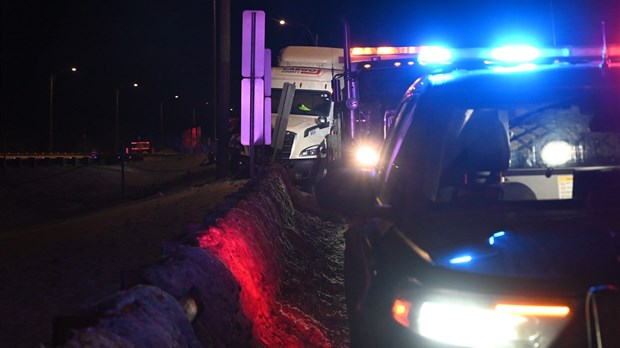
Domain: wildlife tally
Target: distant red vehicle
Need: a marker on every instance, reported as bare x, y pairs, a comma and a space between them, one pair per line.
139, 147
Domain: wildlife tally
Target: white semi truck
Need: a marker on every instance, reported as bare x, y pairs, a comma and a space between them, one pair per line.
317, 135
311, 70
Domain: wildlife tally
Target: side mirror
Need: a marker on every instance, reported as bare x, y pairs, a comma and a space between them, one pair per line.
336, 88
388, 120
322, 122
349, 191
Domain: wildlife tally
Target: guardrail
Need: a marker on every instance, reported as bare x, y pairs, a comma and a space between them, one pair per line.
18, 160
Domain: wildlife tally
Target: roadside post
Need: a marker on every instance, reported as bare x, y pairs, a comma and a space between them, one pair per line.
254, 94
284, 109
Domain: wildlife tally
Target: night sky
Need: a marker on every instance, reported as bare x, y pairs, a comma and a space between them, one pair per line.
167, 47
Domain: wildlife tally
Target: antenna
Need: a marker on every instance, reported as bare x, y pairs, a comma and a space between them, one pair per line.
552, 22
604, 55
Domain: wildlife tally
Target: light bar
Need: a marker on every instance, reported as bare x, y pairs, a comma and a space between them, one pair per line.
384, 50
533, 310
511, 54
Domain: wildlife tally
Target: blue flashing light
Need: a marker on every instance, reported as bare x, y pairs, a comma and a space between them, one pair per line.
496, 235
440, 78
461, 259
515, 68
515, 54
434, 55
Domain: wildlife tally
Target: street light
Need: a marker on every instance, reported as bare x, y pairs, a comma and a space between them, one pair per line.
315, 38
117, 140
161, 121
52, 78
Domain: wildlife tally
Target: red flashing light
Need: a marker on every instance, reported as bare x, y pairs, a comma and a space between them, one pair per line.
384, 50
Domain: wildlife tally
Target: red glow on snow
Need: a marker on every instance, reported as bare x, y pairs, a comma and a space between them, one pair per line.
250, 255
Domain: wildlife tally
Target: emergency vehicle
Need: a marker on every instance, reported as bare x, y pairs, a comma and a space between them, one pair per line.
491, 216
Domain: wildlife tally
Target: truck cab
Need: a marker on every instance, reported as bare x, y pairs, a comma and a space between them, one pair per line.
311, 70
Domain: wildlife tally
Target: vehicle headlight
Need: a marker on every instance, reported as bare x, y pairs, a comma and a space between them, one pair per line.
556, 153
366, 156
310, 151
482, 323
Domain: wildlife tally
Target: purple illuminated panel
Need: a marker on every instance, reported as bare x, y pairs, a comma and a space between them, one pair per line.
253, 44
267, 74
252, 113
267, 118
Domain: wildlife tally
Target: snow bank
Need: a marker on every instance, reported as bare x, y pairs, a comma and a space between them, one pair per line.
144, 316
248, 278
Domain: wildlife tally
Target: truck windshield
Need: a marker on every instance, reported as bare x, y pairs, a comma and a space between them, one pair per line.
305, 102
381, 87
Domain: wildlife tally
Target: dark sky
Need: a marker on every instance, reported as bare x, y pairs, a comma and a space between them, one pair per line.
167, 47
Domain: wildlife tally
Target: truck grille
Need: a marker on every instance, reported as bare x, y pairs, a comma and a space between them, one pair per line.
285, 152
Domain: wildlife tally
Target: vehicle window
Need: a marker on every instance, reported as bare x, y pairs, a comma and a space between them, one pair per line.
405, 168
305, 102
529, 148
561, 135
381, 88
385, 82
521, 145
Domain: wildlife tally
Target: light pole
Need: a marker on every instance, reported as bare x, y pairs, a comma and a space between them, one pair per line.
52, 78
315, 38
117, 138
161, 121
194, 112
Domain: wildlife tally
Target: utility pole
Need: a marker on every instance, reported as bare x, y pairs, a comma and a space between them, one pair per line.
51, 111
214, 103
223, 90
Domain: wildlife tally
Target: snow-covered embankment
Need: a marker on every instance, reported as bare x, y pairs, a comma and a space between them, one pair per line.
263, 271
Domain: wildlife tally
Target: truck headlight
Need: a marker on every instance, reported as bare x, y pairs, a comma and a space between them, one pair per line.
311, 151
482, 322
366, 156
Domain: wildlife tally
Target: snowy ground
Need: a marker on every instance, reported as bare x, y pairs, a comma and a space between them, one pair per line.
66, 244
